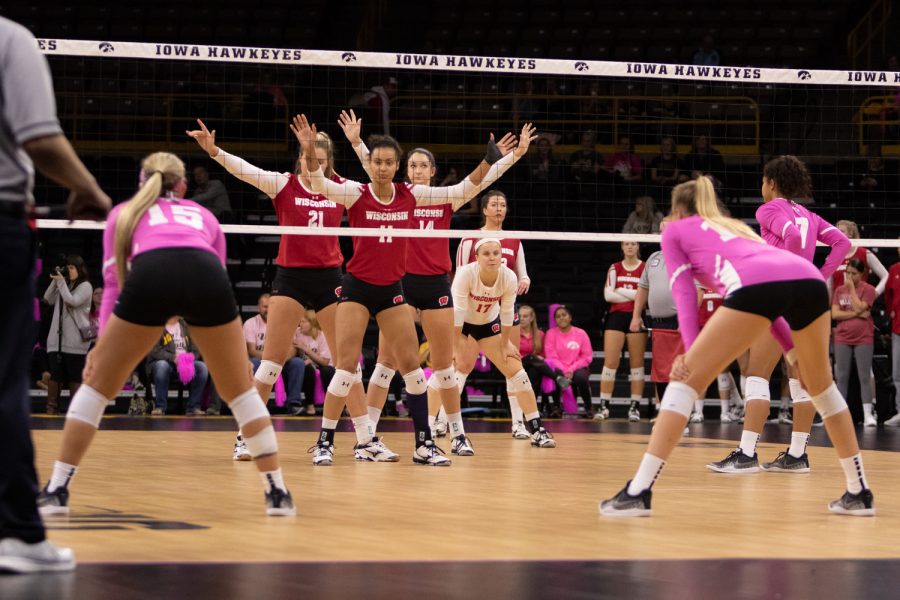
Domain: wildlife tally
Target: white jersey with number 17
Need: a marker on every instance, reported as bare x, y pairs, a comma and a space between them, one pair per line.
477, 303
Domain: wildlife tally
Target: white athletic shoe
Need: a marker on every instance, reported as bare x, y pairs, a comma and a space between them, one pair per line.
542, 439
870, 419
17, 556
519, 431
323, 454
696, 417
893, 421
279, 503
429, 454
602, 413
375, 451
461, 446
727, 418
240, 450
634, 414
439, 429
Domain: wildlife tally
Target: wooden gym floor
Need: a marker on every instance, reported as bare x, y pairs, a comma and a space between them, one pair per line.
159, 509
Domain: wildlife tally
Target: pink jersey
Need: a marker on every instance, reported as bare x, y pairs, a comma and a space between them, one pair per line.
694, 249
788, 225
295, 205
381, 260
170, 223
430, 256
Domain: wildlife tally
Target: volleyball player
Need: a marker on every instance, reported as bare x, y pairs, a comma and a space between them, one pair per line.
308, 274
493, 206
372, 284
426, 285
484, 298
870, 261
710, 301
760, 283
620, 291
788, 225
164, 256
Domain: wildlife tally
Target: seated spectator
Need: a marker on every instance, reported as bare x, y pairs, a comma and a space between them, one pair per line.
294, 368
542, 165
644, 218
584, 164
706, 54
666, 169
705, 160
624, 164
165, 362
211, 194
309, 341
874, 175
569, 348
531, 349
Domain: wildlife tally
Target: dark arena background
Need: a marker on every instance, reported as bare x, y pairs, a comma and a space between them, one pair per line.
628, 98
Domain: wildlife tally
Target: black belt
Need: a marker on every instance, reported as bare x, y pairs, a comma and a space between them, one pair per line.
664, 323
12, 208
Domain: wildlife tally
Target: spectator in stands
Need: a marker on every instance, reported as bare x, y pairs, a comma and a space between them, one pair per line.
874, 175
309, 341
211, 193
167, 361
892, 305
584, 164
666, 169
526, 106
70, 295
570, 348
854, 336
624, 164
294, 367
592, 106
543, 166
265, 109
706, 54
531, 349
705, 160
375, 105
644, 218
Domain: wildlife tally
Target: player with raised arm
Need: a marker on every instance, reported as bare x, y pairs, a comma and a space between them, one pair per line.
372, 284
788, 225
484, 297
426, 285
165, 256
493, 211
760, 284
308, 275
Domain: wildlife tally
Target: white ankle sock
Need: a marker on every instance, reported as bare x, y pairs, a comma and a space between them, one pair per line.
514, 409
726, 406
456, 424
272, 478
431, 420
798, 444
374, 416
329, 423
698, 406
62, 474
363, 427
855, 474
646, 475
749, 440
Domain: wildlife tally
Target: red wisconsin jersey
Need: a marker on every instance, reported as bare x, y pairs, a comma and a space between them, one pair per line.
708, 305
838, 277
509, 247
297, 206
628, 280
430, 256
381, 260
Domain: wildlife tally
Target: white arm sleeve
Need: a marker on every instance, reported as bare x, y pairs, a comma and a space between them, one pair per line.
520, 269
876, 267
268, 182
630, 294
508, 301
465, 190
362, 151
609, 290
460, 290
345, 193
463, 252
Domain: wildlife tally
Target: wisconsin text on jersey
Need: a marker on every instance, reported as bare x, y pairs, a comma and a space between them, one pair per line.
484, 298
314, 203
373, 215
428, 213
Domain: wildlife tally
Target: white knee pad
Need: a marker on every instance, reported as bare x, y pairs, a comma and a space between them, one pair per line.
461, 381
607, 374
443, 379
724, 382
798, 394
757, 388
341, 383
680, 398
382, 376
248, 407
357, 376
267, 372
830, 402
87, 406
415, 382
263, 443
635, 374
519, 382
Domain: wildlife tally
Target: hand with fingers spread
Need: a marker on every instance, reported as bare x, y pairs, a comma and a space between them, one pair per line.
205, 138
497, 150
529, 134
352, 127
306, 135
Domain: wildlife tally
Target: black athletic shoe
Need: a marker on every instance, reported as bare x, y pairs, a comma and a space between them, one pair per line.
625, 505
854, 505
55, 502
736, 462
279, 503
785, 463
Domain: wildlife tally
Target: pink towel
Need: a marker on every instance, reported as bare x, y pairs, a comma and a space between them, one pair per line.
185, 364
567, 399
280, 394
319, 394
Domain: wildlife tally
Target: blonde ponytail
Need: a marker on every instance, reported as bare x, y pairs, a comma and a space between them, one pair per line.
161, 171
698, 197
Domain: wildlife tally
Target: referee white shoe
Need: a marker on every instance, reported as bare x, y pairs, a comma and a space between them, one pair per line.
17, 556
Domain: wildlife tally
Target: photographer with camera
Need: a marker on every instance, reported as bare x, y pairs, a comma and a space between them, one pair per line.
71, 332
